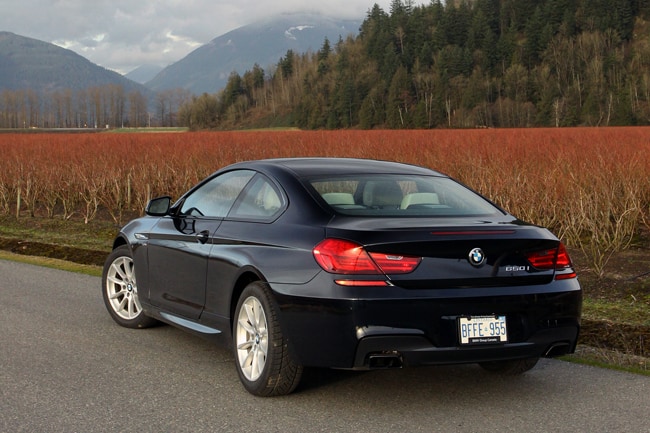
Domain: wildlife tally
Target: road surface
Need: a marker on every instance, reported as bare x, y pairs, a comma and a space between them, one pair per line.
67, 367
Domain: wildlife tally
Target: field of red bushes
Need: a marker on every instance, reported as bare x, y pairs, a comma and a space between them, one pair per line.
591, 186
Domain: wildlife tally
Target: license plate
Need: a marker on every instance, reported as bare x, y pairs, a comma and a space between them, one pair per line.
482, 329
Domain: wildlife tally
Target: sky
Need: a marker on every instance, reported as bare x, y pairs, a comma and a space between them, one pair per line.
123, 34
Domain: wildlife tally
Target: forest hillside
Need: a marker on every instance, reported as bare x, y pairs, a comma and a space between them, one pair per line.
480, 63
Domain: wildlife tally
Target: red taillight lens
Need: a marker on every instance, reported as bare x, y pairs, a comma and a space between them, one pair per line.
555, 258
563, 259
339, 256
344, 257
542, 260
394, 264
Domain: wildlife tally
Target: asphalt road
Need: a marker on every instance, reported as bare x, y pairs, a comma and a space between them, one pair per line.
65, 366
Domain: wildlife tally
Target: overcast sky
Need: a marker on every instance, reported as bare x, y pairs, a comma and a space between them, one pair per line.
124, 34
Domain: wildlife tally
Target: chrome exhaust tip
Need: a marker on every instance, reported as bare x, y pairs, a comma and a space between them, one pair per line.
557, 349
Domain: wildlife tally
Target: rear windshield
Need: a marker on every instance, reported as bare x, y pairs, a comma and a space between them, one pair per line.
399, 195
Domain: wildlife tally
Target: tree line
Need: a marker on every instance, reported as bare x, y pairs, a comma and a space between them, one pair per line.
481, 63
107, 106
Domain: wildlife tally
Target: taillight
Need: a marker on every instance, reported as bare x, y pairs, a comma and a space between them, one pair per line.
563, 259
542, 260
554, 258
396, 264
339, 256
344, 257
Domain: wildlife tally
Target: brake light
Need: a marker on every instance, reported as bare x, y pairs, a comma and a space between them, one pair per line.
563, 259
339, 256
542, 260
554, 258
344, 257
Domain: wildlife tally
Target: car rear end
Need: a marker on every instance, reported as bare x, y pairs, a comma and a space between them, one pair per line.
431, 302
446, 281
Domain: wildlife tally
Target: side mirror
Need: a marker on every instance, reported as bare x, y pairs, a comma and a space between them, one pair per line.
158, 206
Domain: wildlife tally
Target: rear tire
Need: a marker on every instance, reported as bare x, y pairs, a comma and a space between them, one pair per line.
265, 363
510, 367
120, 291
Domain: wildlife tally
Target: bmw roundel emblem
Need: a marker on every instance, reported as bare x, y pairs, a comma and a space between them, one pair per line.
476, 257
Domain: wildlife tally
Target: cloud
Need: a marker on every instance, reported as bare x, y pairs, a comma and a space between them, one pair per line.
124, 34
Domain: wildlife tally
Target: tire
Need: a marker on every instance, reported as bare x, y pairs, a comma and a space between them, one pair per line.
511, 367
264, 361
120, 291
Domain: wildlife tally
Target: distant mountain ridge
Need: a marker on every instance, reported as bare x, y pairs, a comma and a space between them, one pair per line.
27, 63
206, 69
143, 73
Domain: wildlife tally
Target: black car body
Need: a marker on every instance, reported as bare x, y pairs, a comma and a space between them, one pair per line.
338, 268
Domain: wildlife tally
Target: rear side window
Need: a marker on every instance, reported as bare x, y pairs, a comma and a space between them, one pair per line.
260, 201
397, 195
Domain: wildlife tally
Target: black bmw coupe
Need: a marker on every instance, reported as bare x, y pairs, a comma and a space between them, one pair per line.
345, 263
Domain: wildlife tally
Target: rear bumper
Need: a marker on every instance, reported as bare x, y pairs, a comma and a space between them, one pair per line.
363, 333
408, 350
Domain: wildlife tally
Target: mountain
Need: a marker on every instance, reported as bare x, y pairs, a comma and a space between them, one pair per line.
206, 69
144, 73
27, 63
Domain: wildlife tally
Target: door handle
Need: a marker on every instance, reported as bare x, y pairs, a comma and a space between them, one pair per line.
203, 236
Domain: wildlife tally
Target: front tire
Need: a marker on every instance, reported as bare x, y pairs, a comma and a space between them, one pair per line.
263, 358
120, 291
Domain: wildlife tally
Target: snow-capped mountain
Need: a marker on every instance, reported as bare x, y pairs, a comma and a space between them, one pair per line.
206, 69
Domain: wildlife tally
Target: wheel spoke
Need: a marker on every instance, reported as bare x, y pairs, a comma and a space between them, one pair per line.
255, 363
118, 267
250, 314
248, 361
128, 269
260, 360
116, 281
132, 310
247, 326
246, 345
136, 303
122, 303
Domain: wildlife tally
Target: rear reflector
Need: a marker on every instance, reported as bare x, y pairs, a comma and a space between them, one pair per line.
566, 276
361, 283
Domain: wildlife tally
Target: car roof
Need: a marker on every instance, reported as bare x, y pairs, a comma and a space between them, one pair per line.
301, 167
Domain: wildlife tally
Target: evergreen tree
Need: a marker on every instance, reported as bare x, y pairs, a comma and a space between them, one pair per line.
399, 100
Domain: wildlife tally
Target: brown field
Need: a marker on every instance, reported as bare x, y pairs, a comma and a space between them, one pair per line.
591, 186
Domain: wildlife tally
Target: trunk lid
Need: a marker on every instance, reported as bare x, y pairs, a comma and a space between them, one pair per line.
458, 253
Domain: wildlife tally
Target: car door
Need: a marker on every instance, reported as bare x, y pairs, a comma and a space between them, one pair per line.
180, 244
246, 232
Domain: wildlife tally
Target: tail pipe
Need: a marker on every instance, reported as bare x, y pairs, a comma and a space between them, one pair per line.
385, 360
558, 349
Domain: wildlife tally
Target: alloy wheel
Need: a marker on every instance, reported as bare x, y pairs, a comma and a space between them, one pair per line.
251, 338
121, 288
